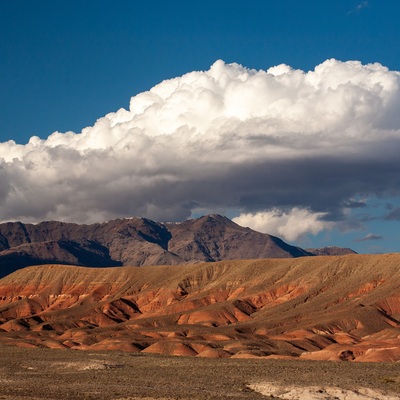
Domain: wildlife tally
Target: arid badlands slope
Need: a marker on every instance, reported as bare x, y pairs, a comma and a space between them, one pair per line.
321, 308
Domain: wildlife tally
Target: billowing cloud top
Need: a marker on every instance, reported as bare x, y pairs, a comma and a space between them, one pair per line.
227, 138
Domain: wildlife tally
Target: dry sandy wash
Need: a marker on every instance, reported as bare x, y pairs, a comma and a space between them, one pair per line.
314, 308
292, 392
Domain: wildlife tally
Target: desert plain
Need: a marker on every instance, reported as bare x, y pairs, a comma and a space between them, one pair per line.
105, 375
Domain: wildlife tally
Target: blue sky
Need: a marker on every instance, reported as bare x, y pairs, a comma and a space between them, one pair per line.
66, 64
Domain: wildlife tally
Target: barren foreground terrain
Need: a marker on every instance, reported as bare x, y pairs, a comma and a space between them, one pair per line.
67, 374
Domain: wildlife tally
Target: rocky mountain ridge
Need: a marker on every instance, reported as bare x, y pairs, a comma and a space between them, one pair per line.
137, 242
134, 241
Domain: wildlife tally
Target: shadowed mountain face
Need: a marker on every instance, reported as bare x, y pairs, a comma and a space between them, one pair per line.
331, 308
136, 242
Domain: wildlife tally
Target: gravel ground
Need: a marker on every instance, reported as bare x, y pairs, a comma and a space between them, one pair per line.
68, 374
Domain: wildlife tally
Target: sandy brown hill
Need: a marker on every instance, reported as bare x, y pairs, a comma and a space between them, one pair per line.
134, 241
332, 308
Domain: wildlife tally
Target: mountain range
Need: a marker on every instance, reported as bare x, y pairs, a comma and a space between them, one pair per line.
138, 242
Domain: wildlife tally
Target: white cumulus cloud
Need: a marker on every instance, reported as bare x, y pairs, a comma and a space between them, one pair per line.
290, 225
226, 138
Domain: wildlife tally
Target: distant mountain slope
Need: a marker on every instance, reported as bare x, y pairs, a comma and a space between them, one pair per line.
330, 308
331, 251
134, 241
215, 238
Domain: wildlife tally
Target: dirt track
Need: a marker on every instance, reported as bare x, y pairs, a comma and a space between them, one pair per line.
67, 374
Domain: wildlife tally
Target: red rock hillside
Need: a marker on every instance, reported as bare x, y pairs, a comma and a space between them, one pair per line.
330, 308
